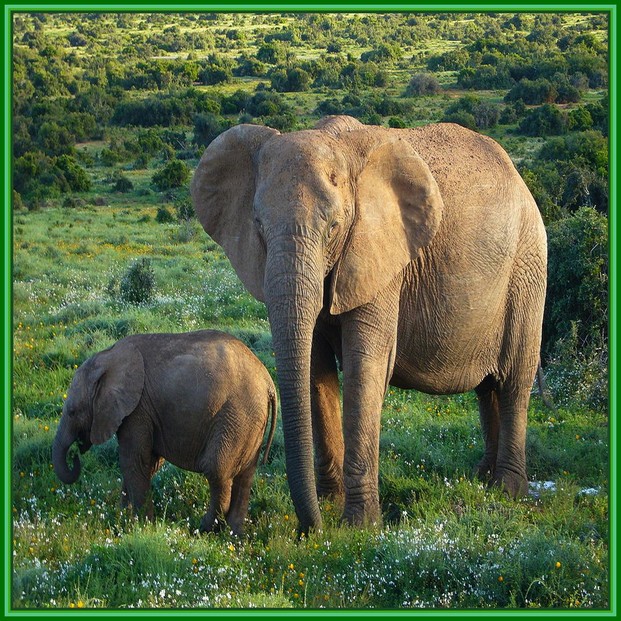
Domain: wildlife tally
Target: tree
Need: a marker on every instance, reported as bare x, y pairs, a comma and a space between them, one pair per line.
249, 66
461, 117
217, 71
422, 84
547, 120
293, 79
579, 119
271, 53
588, 148
74, 175
533, 92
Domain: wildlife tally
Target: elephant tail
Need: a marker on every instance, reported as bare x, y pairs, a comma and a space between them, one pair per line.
273, 406
544, 393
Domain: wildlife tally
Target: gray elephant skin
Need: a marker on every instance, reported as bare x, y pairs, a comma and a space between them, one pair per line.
200, 400
414, 257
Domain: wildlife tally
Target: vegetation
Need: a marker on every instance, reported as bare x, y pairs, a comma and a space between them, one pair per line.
111, 112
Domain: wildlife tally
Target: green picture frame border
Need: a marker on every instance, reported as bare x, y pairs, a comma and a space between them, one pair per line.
570, 6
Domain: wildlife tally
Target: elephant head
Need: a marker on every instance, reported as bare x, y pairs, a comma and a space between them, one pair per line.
104, 390
321, 218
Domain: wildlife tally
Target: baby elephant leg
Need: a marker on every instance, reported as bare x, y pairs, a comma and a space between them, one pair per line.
219, 503
138, 464
240, 499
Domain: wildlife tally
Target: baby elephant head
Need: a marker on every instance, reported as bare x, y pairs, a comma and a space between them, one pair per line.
104, 390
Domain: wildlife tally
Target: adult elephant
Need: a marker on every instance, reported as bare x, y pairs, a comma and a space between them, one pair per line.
415, 257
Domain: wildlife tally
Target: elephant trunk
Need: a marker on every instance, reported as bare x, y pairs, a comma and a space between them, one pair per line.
294, 292
65, 437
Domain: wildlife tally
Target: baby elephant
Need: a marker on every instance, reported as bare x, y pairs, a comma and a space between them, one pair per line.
200, 400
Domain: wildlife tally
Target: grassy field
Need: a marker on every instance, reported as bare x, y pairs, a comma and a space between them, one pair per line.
446, 540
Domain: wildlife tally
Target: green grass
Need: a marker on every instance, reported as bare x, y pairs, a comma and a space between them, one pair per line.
447, 541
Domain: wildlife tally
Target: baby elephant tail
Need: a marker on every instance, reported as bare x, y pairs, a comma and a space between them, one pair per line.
273, 404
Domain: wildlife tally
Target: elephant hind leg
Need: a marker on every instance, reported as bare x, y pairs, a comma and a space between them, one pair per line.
510, 472
327, 420
240, 498
490, 424
219, 503
503, 415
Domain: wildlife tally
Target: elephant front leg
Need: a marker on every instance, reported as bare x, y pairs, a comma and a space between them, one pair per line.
137, 467
369, 347
327, 424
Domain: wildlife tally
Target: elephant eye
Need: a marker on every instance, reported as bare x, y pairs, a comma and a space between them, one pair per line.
332, 229
259, 225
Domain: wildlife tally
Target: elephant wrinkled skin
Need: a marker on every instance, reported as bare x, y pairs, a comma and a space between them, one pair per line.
201, 400
414, 257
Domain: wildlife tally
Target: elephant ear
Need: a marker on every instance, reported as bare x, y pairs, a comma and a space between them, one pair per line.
118, 389
398, 211
223, 191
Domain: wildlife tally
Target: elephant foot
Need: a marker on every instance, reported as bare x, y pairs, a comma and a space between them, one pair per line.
362, 514
210, 524
330, 489
515, 484
485, 469
218, 525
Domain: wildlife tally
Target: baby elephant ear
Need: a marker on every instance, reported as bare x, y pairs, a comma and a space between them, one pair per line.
398, 211
118, 390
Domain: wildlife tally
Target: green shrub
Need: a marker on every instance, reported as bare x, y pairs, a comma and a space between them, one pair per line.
164, 216
577, 279
123, 184
575, 336
546, 120
175, 174
138, 282
422, 84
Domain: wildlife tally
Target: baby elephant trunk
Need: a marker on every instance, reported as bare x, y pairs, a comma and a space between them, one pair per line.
62, 442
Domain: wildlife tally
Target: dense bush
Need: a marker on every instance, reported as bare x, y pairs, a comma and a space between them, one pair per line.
138, 282
589, 149
37, 177
575, 341
265, 103
577, 280
123, 184
291, 79
546, 120
485, 77
472, 112
422, 84
175, 174
568, 172
217, 70
153, 111
533, 92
